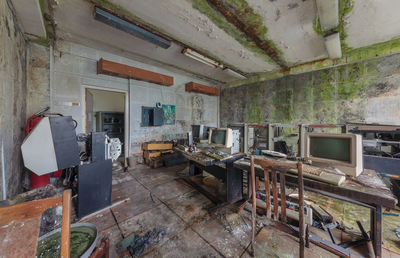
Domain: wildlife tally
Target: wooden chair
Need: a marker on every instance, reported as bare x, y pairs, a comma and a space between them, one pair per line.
276, 167
20, 224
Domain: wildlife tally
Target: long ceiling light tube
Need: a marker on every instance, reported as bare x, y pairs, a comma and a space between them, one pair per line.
118, 23
199, 57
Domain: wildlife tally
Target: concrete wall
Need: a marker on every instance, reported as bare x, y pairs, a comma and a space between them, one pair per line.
38, 78
368, 91
73, 67
12, 100
108, 101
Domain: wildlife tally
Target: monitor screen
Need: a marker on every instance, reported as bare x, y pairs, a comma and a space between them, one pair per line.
196, 131
218, 137
331, 148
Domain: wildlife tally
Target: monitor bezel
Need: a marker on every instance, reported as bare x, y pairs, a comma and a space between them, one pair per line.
353, 151
226, 145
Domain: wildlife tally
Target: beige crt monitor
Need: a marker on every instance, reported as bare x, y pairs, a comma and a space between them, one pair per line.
343, 151
220, 137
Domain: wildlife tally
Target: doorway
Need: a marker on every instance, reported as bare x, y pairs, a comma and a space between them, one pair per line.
106, 111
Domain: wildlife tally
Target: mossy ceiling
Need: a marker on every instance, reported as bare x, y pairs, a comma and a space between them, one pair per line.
266, 39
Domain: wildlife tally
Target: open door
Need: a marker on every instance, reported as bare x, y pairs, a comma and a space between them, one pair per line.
89, 112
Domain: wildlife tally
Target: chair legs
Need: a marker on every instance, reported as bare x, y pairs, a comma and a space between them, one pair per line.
253, 203
301, 208
270, 165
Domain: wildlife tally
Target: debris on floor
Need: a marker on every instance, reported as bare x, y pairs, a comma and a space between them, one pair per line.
137, 244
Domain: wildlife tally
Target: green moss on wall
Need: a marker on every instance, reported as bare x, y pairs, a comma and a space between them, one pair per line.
283, 105
345, 7
352, 56
254, 112
318, 97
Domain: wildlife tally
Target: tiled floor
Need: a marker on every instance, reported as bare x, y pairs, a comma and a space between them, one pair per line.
157, 198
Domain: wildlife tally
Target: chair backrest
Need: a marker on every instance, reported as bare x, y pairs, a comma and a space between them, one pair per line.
280, 167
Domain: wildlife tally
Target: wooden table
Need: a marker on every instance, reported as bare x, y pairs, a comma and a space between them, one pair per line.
367, 190
223, 170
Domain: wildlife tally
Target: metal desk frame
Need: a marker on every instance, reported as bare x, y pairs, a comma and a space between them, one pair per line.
223, 170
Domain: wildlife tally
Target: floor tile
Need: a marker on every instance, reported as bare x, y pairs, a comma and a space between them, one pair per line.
271, 242
114, 234
191, 206
123, 190
160, 217
171, 189
137, 203
221, 238
186, 244
101, 220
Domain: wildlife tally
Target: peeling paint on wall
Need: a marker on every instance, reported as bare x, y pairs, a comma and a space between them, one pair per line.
13, 93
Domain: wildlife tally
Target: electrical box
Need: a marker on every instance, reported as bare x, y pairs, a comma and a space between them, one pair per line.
152, 116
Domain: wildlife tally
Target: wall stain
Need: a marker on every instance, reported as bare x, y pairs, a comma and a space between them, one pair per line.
334, 95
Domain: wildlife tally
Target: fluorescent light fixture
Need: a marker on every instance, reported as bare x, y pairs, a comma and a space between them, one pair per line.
130, 28
235, 74
328, 13
199, 57
332, 44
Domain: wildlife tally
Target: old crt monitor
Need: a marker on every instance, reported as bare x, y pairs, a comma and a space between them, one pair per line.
220, 137
343, 151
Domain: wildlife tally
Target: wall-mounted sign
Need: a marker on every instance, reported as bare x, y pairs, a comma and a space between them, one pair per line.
169, 114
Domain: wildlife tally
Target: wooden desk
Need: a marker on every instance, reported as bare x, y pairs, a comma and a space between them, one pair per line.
223, 170
20, 226
367, 190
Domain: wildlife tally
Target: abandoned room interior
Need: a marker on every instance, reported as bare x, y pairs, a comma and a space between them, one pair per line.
199, 128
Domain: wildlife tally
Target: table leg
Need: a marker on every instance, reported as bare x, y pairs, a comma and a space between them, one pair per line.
234, 183
376, 230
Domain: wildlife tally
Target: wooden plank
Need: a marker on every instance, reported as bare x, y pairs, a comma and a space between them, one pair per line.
267, 194
275, 193
27, 210
157, 146
154, 154
130, 72
148, 154
282, 183
200, 88
275, 165
66, 224
301, 208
